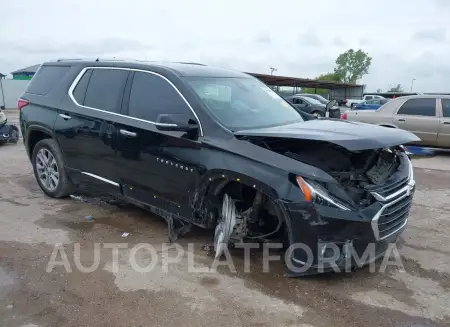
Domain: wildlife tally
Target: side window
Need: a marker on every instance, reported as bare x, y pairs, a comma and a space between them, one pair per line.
369, 97
46, 78
151, 95
446, 107
418, 107
105, 89
79, 92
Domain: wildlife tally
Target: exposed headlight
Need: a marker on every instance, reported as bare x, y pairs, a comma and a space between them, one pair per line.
316, 193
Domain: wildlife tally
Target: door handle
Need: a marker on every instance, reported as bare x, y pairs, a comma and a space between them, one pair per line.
401, 119
64, 116
445, 122
127, 133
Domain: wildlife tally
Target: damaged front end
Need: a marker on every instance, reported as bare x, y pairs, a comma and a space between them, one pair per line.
365, 207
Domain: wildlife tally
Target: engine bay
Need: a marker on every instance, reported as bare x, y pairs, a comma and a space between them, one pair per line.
355, 171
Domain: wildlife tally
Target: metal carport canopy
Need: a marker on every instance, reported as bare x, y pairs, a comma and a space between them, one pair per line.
302, 82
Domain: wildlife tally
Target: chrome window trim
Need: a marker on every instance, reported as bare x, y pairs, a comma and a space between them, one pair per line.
100, 178
81, 73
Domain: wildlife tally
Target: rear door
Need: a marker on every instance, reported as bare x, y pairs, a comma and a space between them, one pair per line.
419, 116
157, 167
86, 126
444, 127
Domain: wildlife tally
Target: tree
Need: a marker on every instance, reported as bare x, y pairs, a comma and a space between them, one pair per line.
352, 65
397, 88
379, 90
329, 77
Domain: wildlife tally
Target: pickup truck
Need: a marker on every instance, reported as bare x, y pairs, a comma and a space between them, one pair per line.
353, 102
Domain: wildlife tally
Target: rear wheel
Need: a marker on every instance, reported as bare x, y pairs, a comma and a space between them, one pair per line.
49, 169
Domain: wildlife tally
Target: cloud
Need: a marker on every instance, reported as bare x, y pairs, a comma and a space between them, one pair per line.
303, 39
264, 39
107, 45
364, 41
337, 41
431, 34
309, 39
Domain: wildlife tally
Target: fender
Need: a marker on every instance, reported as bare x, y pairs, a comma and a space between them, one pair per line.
34, 128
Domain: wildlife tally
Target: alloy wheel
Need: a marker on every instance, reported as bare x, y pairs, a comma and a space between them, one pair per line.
47, 169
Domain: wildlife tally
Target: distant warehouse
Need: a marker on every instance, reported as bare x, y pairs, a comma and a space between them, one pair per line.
25, 73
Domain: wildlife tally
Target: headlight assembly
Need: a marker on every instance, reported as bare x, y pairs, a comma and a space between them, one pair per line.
317, 194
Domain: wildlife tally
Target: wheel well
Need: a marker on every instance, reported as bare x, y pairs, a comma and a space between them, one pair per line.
35, 137
258, 210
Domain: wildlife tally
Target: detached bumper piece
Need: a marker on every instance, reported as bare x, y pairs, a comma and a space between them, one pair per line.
9, 134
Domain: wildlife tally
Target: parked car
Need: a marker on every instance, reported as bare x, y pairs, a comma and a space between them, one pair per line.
312, 106
353, 102
427, 116
370, 104
219, 149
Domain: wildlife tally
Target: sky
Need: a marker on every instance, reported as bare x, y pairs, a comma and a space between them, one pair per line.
406, 39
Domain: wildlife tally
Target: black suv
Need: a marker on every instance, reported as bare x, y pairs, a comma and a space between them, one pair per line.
218, 149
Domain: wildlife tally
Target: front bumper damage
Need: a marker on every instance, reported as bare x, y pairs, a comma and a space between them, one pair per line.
324, 239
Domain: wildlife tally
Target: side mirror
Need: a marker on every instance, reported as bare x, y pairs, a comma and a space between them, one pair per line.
175, 122
331, 104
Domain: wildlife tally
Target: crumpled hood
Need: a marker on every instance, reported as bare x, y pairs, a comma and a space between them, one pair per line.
351, 135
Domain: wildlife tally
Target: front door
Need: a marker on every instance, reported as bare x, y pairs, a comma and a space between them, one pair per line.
444, 127
86, 127
419, 116
157, 167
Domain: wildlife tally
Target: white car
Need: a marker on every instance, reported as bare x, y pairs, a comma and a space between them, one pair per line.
353, 102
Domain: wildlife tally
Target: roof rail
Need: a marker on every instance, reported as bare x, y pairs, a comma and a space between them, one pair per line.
190, 63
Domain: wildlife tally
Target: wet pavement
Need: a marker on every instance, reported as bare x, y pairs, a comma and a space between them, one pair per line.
31, 225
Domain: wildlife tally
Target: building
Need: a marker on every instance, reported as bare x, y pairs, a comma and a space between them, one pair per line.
25, 73
2, 75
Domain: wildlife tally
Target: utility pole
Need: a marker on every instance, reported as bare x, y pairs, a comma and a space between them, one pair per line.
412, 83
272, 70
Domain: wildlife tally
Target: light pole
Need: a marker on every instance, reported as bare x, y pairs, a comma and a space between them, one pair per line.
412, 83
272, 70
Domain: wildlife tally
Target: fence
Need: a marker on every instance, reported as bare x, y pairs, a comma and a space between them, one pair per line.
10, 91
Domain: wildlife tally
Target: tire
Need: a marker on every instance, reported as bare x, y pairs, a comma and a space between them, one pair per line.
317, 114
43, 165
352, 106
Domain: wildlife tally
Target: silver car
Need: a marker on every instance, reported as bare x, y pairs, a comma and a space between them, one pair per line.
427, 116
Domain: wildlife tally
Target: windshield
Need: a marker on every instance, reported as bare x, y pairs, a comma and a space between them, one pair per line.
243, 103
320, 98
311, 100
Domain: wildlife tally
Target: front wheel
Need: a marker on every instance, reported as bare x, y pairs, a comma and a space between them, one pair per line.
49, 169
318, 114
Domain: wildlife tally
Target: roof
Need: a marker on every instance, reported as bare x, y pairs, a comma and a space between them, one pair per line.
196, 69
31, 69
304, 82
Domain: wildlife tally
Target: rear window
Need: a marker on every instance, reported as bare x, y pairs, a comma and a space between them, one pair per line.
46, 78
105, 89
418, 107
446, 107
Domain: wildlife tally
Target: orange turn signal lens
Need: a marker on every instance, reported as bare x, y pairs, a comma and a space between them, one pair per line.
305, 189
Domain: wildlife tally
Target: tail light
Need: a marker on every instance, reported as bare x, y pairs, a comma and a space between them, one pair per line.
22, 103
344, 116
345, 101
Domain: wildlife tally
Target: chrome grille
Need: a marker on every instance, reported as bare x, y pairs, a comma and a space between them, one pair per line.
394, 216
